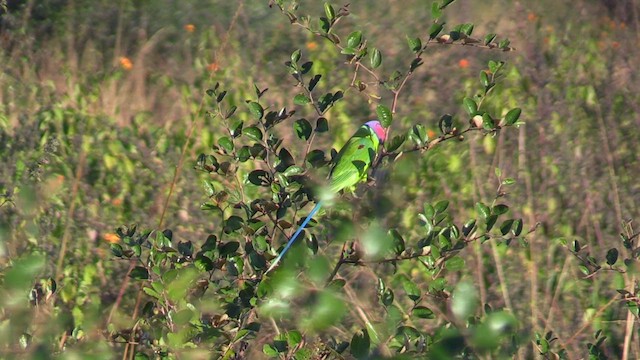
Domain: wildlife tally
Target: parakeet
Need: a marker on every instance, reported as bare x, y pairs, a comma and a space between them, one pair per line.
350, 168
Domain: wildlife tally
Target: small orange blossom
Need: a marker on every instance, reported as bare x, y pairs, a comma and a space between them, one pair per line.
189, 28
111, 238
126, 63
463, 63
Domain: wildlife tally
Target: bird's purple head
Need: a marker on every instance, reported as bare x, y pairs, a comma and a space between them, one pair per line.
380, 131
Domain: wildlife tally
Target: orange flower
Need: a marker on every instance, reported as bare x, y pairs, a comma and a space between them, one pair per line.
463, 63
213, 67
126, 63
116, 202
312, 45
532, 17
111, 238
431, 134
189, 28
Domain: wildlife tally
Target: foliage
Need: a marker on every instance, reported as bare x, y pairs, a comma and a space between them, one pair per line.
471, 238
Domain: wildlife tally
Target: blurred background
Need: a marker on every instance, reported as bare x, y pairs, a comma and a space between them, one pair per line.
97, 98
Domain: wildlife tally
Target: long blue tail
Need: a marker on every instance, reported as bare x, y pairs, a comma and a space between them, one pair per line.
275, 262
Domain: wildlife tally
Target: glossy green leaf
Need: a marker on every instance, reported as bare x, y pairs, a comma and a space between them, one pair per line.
329, 11
512, 116
253, 133
303, 129
322, 125
506, 226
500, 209
423, 312
612, 256
436, 11
375, 58
384, 115
470, 106
226, 144
139, 272
489, 38
487, 122
441, 206
395, 143
482, 210
295, 56
360, 343
464, 300
434, 30
517, 227
468, 227
293, 170
354, 39
415, 44
301, 99
256, 110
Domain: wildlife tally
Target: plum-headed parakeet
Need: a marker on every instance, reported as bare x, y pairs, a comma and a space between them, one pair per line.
350, 168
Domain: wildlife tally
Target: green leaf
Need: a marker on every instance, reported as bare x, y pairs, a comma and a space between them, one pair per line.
301, 99
434, 30
322, 125
139, 272
508, 181
384, 115
612, 256
411, 288
464, 300
387, 297
329, 11
423, 312
466, 29
470, 106
487, 122
395, 143
314, 81
256, 110
484, 79
269, 350
253, 133
441, 206
414, 44
293, 170
512, 116
506, 226
436, 11
325, 24
468, 227
303, 129
375, 58
446, 3
360, 343
294, 337
116, 250
500, 209
398, 241
354, 39
517, 227
482, 210
456, 263
489, 38
226, 144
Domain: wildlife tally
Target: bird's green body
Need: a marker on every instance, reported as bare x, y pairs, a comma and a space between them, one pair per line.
350, 167
354, 160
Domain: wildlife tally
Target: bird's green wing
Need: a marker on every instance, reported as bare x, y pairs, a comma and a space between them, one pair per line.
353, 161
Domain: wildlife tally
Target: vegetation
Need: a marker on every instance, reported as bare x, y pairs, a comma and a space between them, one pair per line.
157, 155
